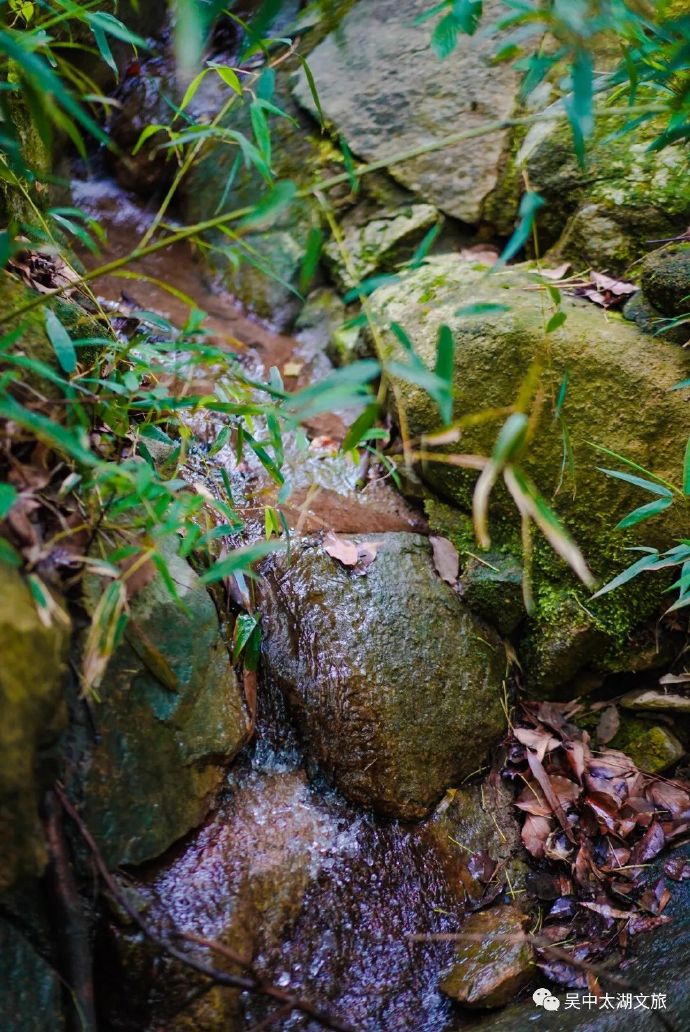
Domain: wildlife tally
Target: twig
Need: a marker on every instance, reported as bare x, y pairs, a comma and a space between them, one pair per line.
250, 984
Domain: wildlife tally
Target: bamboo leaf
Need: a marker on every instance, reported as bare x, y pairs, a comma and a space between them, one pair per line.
61, 341
644, 512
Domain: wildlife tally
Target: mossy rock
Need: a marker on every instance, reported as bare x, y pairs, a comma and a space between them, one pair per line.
626, 196
394, 684
604, 358
666, 280
32, 713
33, 342
163, 743
650, 320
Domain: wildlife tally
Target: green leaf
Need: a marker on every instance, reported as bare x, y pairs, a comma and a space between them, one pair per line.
630, 478
529, 206
268, 210
645, 563
644, 513
363, 423
189, 28
467, 14
444, 38
580, 105
425, 245
241, 560
312, 88
312, 253
481, 308
189, 94
61, 341
8, 496
229, 77
556, 320
245, 625
511, 439
445, 350
114, 27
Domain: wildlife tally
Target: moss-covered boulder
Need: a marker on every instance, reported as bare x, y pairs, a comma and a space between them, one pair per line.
169, 718
32, 713
30, 990
605, 215
666, 279
604, 358
395, 686
385, 91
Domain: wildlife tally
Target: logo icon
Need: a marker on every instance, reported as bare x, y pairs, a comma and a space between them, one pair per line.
543, 998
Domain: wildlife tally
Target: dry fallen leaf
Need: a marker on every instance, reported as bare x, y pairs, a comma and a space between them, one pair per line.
558, 273
608, 725
291, 369
446, 558
339, 548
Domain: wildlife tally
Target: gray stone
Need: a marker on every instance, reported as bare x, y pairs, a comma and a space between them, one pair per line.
394, 685
378, 245
30, 991
385, 91
162, 750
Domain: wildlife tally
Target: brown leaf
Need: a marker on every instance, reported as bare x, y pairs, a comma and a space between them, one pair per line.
650, 845
608, 725
556, 274
446, 558
539, 739
670, 796
534, 834
606, 910
344, 551
366, 553
615, 286
531, 800
645, 923
545, 784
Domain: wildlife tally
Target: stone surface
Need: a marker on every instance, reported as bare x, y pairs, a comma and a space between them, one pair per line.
666, 279
491, 585
659, 962
32, 713
318, 895
650, 320
161, 751
385, 91
605, 216
379, 245
144, 99
494, 963
605, 358
30, 991
653, 749
394, 685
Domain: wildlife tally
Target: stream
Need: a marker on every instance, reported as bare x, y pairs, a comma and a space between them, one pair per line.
322, 895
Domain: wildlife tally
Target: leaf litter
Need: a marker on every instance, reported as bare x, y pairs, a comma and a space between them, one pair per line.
593, 824
358, 557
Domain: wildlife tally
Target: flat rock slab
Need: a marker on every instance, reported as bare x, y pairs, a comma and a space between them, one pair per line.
494, 962
386, 92
395, 686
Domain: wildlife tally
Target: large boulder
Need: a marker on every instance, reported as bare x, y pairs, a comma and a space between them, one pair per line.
385, 91
395, 686
605, 358
169, 718
32, 713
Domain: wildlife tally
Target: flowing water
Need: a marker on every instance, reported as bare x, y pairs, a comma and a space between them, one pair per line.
321, 895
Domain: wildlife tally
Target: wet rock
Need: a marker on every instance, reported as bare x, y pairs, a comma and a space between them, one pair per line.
650, 320
366, 91
666, 701
380, 244
393, 683
162, 748
494, 963
30, 990
604, 358
492, 586
666, 280
145, 98
266, 282
628, 196
32, 714
322, 325
658, 963
319, 896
